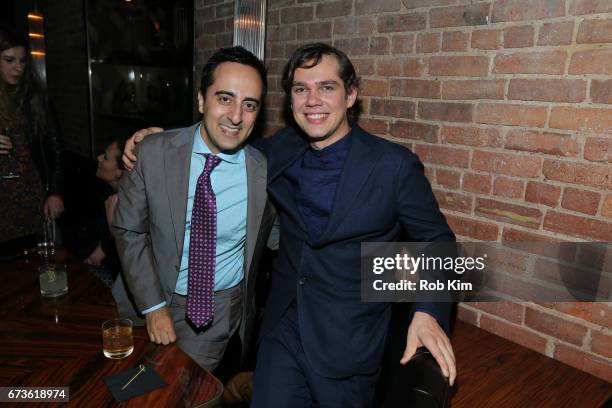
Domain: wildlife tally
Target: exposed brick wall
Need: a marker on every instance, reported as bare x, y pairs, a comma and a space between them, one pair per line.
214, 28
508, 104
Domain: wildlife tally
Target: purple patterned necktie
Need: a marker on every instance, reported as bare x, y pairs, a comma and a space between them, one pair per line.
202, 249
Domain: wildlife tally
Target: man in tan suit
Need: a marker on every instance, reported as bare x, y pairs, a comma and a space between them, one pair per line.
160, 210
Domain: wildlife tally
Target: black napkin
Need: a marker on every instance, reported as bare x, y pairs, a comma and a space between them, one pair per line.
146, 381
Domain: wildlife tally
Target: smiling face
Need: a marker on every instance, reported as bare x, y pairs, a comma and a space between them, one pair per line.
319, 102
12, 64
230, 106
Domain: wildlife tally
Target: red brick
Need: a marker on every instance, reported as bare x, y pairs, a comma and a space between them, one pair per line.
601, 91
542, 193
379, 45
334, 8
516, 10
606, 208
310, 31
554, 326
282, 33
599, 313
601, 343
512, 213
510, 311
407, 67
509, 164
457, 16
578, 226
410, 4
373, 87
486, 39
401, 22
594, 31
556, 33
351, 46
455, 41
503, 259
550, 90
548, 143
402, 44
374, 7
354, 25
594, 175
448, 178
466, 315
530, 243
571, 278
365, 66
428, 42
468, 227
459, 65
596, 61
583, 361
449, 112
508, 114
478, 89
297, 14
507, 187
414, 130
580, 200
545, 62
447, 156
415, 88
376, 126
393, 108
454, 201
477, 183
513, 333
471, 136
579, 7
518, 37
583, 119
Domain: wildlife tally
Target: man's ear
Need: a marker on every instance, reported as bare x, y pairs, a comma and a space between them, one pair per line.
200, 102
351, 97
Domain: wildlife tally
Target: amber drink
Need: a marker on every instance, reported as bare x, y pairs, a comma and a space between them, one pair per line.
117, 340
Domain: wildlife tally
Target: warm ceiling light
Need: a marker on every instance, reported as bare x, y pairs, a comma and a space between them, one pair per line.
36, 35
33, 16
37, 53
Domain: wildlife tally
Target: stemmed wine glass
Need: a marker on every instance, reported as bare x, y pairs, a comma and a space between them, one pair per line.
11, 159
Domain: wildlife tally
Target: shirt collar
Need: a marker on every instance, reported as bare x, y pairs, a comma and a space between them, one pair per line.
339, 146
200, 147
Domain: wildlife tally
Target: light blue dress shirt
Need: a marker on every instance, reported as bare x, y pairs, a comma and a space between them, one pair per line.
229, 183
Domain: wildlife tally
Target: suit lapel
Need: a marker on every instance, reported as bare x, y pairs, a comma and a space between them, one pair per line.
256, 201
359, 164
177, 161
280, 157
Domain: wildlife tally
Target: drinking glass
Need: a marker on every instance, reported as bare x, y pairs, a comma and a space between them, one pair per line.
46, 239
53, 280
117, 341
12, 161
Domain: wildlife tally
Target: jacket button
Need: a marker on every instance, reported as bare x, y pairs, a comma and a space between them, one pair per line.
302, 281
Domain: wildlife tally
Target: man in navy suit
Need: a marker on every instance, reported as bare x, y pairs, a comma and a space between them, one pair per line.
336, 186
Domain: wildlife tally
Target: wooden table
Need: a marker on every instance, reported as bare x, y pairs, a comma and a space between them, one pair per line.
57, 342
495, 372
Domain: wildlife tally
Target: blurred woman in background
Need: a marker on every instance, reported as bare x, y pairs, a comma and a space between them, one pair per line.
110, 169
30, 145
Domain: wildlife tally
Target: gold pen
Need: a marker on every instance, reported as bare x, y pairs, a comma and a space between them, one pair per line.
141, 369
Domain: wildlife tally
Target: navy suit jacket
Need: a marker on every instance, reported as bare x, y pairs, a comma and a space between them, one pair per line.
382, 191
